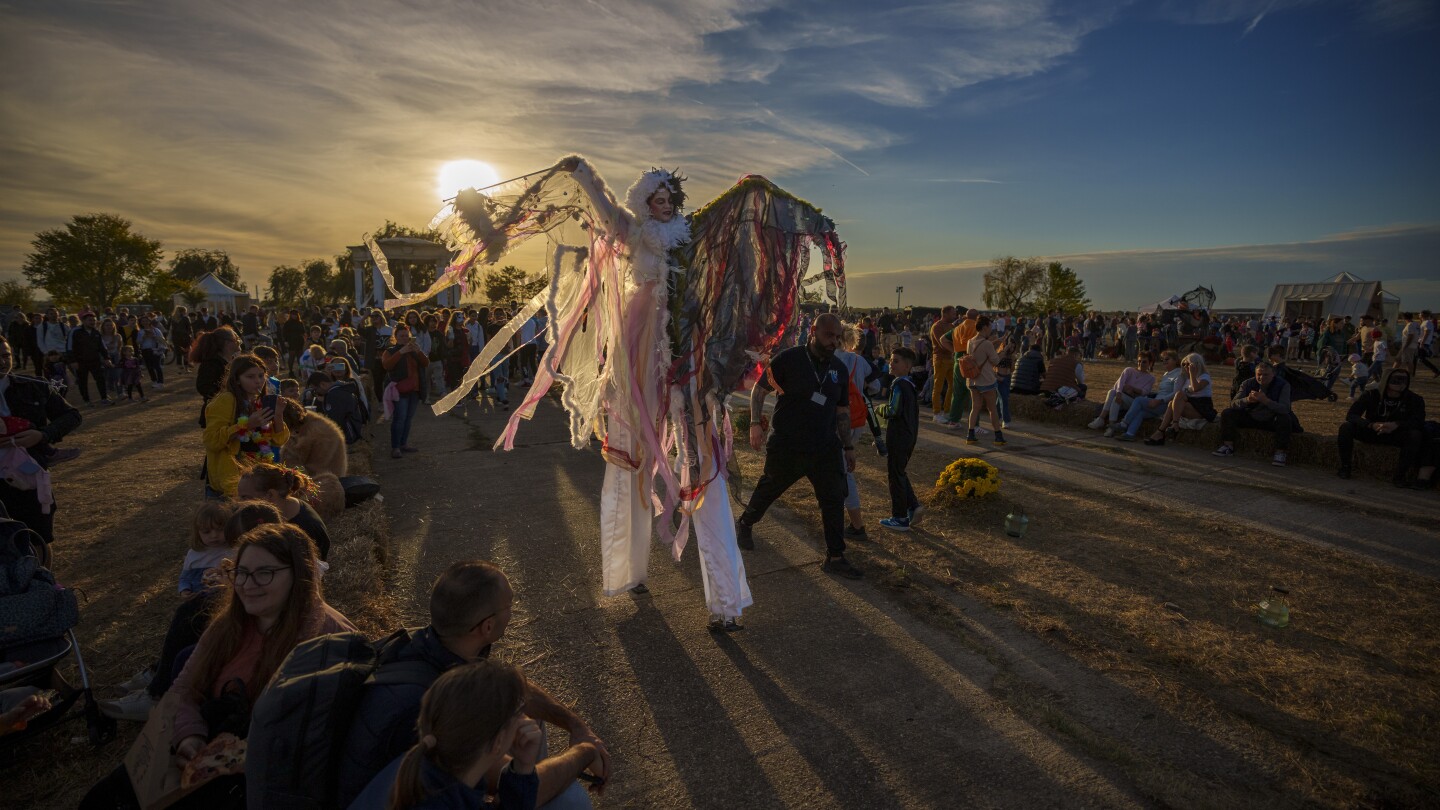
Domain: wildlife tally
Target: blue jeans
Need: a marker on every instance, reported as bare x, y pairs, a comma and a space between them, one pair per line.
405, 408
1002, 389
1140, 410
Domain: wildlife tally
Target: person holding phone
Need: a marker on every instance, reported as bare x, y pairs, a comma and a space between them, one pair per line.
404, 362
241, 423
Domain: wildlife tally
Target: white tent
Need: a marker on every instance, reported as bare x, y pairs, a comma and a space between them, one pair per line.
1345, 294
219, 296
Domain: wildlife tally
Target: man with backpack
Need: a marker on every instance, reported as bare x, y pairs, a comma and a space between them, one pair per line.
470, 607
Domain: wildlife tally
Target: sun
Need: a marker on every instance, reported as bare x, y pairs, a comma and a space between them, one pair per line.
458, 175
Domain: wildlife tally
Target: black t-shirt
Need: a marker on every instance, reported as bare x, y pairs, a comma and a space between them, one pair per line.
801, 423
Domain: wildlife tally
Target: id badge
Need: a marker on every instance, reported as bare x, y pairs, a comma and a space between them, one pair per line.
818, 398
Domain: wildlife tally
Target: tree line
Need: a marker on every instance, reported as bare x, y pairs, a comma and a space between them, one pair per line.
100, 260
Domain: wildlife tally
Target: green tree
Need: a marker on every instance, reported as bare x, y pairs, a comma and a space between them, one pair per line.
510, 283
1063, 291
286, 286
193, 296
18, 294
162, 288
192, 264
319, 281
94, 260
1011, 283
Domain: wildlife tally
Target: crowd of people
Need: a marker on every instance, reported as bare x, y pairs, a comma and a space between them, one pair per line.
441, 724
271, 451
968, 365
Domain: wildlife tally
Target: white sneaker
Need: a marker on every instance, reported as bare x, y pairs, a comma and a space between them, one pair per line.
1096, 423
1109, 431
139, 680
942, 419
157, 385
1279, 459
134, 707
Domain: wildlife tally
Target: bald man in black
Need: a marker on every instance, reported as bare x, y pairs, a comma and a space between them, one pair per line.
811, 437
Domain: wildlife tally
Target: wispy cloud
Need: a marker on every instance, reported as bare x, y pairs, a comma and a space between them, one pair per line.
962, 180
1256, 21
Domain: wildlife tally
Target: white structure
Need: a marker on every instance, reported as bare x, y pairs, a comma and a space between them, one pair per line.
399, 250
219, 296
1345, 294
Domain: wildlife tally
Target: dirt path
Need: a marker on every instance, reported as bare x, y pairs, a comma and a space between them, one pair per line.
900, 690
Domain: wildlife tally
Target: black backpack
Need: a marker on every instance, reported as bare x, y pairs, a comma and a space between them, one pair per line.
301, 721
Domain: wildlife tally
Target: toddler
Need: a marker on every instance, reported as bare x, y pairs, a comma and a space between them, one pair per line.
55, 371
1359, 374
130, 374
209, 548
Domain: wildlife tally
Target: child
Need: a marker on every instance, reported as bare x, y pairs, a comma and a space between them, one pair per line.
55, 371
290, 389
313, 360
1359, 374
130, 374
1382, 353
208, 548
902, 427
461, 745
1244, 367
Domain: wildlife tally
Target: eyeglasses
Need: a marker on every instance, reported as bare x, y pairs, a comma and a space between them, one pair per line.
261, 576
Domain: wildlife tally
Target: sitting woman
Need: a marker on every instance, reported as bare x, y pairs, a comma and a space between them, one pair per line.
240, 427
290, 491
1192, 401
1132, 384
1154, 405
273, 604
470, 719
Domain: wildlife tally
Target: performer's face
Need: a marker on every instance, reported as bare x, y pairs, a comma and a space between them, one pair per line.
660, 207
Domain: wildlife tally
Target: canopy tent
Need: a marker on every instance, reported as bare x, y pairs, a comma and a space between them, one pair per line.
219, 296
1345, 294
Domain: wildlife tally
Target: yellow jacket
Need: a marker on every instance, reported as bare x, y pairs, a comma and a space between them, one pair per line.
222, 444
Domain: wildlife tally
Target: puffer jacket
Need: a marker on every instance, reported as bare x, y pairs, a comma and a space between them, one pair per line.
1029, 371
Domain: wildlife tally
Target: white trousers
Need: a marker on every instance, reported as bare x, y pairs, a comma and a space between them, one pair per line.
627, 525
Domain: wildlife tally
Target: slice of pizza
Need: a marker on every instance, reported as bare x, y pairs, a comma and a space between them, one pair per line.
221, 756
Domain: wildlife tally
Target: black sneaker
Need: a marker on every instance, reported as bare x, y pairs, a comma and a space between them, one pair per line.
841, 566
852, 533
743, 537
1344, 471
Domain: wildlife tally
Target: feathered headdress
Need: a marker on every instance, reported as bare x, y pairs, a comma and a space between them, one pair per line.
637, 199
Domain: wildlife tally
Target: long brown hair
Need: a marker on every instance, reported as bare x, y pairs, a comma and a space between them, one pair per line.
212, 344
461, 715
223, 638
238, 366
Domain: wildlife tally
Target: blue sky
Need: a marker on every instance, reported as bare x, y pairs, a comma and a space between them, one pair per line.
1152, 145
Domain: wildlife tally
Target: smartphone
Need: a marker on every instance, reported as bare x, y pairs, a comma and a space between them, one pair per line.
268, 401
590, 778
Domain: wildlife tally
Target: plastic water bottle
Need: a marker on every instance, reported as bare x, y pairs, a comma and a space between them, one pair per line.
1272, 611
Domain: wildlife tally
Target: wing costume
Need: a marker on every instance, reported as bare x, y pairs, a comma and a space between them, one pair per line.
651, 326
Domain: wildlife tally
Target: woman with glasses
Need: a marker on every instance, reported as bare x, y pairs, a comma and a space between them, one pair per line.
274, 602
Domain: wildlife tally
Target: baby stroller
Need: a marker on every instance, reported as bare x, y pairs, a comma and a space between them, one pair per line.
1303, 386
37, 620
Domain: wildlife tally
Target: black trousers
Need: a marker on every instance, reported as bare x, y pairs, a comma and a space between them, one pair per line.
186, 626
1410, 443
82, 375
826, 472
1232, 419
902, 494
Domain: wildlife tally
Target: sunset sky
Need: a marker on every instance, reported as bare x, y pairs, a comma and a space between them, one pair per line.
1151, 145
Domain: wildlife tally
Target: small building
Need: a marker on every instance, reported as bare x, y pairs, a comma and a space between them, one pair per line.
1345, 294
